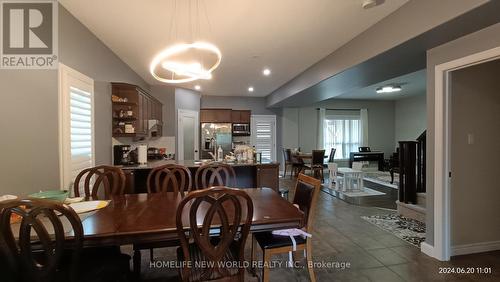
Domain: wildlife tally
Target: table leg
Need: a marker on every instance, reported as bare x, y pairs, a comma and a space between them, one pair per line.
137, 265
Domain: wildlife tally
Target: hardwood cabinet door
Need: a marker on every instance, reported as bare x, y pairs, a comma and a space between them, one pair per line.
215, 115
235, 116
268, 176
140, 128
245, 116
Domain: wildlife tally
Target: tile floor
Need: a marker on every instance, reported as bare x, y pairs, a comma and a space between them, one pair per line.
373, 254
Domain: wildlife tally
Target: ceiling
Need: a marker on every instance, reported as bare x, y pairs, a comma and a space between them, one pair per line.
287, 36
412, 84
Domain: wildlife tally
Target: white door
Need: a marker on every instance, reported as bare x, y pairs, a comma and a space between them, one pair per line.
187, 135
263, 135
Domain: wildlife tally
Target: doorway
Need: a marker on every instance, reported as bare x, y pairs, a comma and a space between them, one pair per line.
474, 155
442, 248
188, 128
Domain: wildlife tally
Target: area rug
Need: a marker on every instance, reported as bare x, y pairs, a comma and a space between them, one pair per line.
382, 177
364, 193
407, 229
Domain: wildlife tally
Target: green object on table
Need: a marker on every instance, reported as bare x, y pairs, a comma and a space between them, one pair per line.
56, 195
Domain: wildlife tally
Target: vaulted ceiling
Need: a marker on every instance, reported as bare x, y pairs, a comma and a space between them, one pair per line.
286, 36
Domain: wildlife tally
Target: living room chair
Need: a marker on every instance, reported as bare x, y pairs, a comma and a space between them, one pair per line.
306, 194
215, 174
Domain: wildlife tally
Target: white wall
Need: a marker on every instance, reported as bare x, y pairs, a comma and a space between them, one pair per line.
410, 118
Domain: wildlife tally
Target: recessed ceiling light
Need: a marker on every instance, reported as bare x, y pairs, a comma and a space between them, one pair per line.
388, 89
250, 89
197, 87
266, 72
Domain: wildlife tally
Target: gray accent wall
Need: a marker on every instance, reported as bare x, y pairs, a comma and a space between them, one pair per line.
475, 106
410, 118
29, 109
476, 42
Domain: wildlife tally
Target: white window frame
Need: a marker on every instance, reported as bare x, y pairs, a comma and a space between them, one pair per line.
69, 77
252, 124
342, 118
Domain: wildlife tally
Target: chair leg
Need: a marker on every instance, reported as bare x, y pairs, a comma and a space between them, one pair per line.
284, 173
265, 269
137, 265
253, 256
310, 261
151, 257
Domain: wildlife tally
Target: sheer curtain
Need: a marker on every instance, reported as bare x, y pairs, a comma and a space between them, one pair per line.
343, 130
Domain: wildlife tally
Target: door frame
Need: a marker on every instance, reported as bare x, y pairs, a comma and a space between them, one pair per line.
442, 143
180, 135
272, 117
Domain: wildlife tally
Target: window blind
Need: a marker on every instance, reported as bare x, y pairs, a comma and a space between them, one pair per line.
80, 130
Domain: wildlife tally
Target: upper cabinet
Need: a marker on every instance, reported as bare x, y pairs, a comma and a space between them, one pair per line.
132, 109
240, 116
216, 115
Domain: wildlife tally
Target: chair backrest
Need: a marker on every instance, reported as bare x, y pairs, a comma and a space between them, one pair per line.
306, 194
42, 218
287, 155
228, 210
111, 178
169, 178
318, 157
215, 174
331, 157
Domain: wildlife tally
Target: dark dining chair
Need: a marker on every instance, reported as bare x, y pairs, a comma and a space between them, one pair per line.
89, 181
214, 174
331, 157
53, 255
217, 210
167, 178
317, 164
287, 157
306, 194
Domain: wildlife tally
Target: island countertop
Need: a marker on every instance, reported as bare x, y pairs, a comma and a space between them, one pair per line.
194, 164
248, 174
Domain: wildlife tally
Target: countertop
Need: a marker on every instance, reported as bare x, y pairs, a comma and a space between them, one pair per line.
192, 164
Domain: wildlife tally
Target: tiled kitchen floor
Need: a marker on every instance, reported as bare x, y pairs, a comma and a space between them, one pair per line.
341, 235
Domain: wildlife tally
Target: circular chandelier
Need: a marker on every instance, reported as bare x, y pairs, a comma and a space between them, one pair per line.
166, 68
186, 62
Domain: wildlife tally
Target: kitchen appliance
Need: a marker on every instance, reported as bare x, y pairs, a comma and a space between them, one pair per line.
241, 129
122, 155
155, 154
214, 135
142, 154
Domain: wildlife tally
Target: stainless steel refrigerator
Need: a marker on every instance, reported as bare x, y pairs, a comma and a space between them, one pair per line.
214, 135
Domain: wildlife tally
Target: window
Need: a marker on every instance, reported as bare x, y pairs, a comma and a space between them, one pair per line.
342, 133
264, 135
76, 101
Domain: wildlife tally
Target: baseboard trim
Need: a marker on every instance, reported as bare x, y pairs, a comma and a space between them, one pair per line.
475, 248
427, 249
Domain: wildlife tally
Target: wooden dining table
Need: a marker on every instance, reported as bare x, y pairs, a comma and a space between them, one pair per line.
148, 218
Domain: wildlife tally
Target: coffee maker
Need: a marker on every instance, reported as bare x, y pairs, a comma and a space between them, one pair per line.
124, 155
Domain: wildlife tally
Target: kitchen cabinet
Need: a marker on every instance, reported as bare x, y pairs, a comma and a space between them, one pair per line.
144, 107
268, 176
215, 115
240, 116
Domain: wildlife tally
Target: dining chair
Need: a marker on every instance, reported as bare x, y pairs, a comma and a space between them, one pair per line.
111, 178
331, 157
169, 178
317, 164
306, 194
56, 252
287, 157
214, 174
218, 210
166, 178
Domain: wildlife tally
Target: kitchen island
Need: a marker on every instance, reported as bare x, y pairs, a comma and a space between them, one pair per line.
248, 174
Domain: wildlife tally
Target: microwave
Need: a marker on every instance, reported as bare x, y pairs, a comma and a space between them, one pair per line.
241, 129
